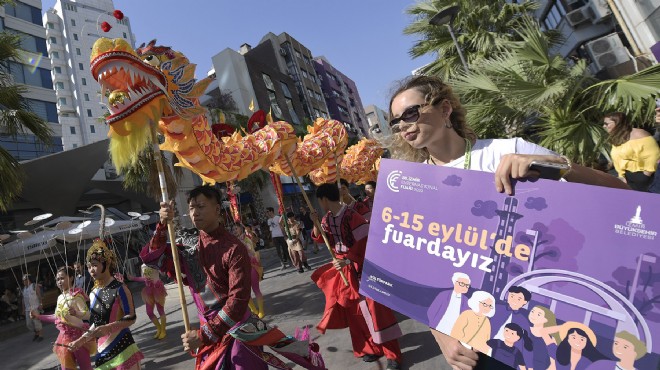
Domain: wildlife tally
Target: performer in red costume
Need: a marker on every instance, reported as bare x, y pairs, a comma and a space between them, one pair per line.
373, 327
218, 272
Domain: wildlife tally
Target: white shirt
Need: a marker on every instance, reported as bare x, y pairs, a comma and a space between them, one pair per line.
274, 226
486, 154
451, 315
30, 299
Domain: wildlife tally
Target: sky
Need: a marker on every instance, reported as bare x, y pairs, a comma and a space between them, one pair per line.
361, 38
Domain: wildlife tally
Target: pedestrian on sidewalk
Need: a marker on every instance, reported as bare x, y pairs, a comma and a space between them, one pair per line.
308, 225
32, 305
277, 235
373, 327
296, 252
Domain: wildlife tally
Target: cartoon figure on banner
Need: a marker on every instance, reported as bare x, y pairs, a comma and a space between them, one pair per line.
627, 349
504, 350
449, 304
153, 294
473, 326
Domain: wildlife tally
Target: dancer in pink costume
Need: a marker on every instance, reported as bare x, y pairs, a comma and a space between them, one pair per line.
153, 293
72, 302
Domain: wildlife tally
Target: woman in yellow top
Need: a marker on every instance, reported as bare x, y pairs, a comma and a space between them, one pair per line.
635, 152
473, 326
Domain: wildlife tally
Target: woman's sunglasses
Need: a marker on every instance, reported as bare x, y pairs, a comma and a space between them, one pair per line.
409, 115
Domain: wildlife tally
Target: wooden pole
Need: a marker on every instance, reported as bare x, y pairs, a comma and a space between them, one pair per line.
316, 221
170, 226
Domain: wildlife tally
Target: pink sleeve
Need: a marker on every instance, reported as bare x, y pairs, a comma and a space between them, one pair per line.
47, 318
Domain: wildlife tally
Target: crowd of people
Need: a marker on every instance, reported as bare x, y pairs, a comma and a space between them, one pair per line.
223, 268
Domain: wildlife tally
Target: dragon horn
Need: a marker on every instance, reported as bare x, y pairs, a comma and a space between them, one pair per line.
102, 221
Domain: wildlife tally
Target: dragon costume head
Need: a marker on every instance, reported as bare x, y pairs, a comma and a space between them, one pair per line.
142, 87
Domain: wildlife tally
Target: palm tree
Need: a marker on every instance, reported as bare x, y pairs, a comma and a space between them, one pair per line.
483, 29
16, 118
528, 91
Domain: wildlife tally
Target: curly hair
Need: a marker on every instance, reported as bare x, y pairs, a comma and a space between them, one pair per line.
434, 91
622, 128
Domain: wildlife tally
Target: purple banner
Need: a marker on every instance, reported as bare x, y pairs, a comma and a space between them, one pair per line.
530, 279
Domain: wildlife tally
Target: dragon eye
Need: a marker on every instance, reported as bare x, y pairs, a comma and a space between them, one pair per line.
152, 59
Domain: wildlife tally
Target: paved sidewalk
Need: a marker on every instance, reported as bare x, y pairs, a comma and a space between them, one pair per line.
291, 300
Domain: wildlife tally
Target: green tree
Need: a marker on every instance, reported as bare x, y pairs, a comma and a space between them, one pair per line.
483, 29
528, 91
16, 118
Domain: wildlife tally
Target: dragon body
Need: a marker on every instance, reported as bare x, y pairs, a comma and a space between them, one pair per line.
155, 85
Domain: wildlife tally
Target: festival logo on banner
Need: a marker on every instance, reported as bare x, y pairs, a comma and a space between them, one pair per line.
533, 279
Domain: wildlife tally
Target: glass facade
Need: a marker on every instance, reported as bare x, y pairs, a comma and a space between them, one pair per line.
24, 147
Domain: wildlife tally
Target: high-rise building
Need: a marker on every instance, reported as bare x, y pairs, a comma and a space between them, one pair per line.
295, 59
342, 98
23, 17
72, 27
377, 119
610, 39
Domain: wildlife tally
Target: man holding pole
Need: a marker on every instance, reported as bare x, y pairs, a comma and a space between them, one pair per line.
373, 327
218, 272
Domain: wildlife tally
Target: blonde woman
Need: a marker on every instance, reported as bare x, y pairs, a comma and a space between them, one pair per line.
429, 126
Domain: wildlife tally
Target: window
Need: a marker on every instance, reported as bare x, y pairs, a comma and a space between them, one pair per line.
89, 113
268, 82
25, 12
58, 70
292, 112
46, 110
50, 25
52, 40
30, 42
310, 93
61, 101
73, 23
285, 90
317, 113
75, 146
84, 81
92, 129
125, 35
273, 104
77, 51
80, 67
318, 96
55, 55
73, 130
554, 15
59, 85
75, 36
71, 7
304, 73
297, 54
86, 97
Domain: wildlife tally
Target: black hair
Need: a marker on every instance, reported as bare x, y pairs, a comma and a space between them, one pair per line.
589, 351
372, 183
344, 182
290, 214
328, 191
527, 341
270, 209
208, 191
68, 271
518, 289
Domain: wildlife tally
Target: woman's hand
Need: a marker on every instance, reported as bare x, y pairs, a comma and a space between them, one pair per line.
516, 166
456, 354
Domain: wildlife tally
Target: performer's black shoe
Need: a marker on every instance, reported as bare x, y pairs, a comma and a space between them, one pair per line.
392, 365
370, 358
35, 337
307, 266
39, 339
300, 270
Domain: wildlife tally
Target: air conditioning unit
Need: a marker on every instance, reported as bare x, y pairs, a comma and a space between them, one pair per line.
607, 51
578, 16
283, 52
600, 10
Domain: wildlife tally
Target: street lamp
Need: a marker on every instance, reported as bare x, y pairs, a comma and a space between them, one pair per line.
532, 255
643, 258
447, 16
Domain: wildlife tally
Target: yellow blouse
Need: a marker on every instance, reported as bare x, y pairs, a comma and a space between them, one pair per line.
636, 155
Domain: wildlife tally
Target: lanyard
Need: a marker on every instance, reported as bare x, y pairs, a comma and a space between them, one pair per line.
468, 153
